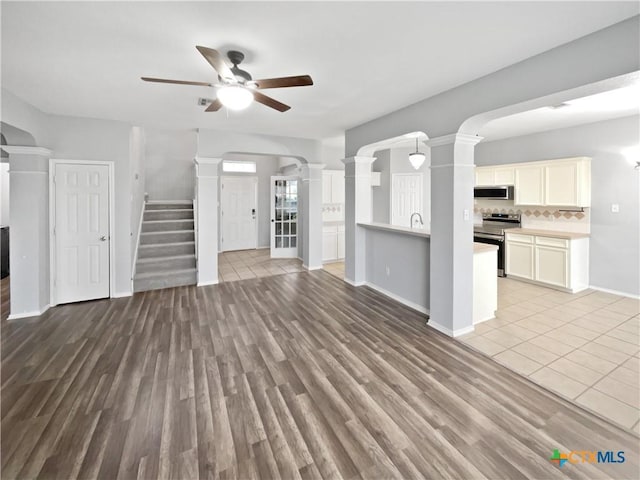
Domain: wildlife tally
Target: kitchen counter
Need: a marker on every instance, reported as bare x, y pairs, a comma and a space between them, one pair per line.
418, 232
548, 233
484, 247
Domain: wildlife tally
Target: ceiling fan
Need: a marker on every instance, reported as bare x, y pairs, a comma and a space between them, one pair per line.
236, 88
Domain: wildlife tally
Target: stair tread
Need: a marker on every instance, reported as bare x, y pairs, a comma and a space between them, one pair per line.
168, 231
145, 275
168, 220
166, 258
173, 244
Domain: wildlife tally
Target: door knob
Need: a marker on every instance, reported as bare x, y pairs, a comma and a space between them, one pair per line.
103, 238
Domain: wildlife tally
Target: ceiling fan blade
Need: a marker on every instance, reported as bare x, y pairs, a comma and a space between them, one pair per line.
270, 102
215, 59
215, 106
177, 82
297, 81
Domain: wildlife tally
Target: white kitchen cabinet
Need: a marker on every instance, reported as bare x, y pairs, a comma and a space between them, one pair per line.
520, 259
490, 176
333, 186
529, 185
332, 243
555, 183
560, 262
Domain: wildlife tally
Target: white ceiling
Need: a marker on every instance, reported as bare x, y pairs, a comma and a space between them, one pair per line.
85, 58
618, 103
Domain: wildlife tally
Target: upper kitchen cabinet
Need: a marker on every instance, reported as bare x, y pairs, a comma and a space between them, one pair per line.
555, 183
529, 185
491, 176
333, 186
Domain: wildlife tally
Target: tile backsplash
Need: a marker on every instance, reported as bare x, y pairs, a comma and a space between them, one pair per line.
544, 218
332, 212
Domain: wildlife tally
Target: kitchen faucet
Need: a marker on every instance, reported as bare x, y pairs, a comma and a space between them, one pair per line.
419, 219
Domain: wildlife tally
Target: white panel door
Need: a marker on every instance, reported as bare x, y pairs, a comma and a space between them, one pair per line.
82, 233
284, 217
406, 197
238, 200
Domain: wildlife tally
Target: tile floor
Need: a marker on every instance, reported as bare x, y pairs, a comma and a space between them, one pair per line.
335, 268
583, 346
245, 264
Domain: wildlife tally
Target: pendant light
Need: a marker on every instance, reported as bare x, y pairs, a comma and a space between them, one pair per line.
416, 158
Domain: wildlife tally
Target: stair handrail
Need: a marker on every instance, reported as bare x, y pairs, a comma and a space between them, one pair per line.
195, 227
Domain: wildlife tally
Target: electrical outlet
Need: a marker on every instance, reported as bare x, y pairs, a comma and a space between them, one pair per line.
615, 208
388, 271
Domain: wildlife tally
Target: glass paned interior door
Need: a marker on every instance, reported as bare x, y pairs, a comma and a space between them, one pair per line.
284, 220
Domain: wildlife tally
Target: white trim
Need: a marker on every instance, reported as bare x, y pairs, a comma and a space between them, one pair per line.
359, 159
207, 160
121, 294
164, 202
440, 328
135, 252
354, 284
210, 282
53, 162
463, 331
35, 313
462, 138
14, 171
452, 165
306, 267
23, 150
615, 292
397, 298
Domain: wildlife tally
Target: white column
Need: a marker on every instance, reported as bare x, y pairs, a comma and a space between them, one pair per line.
357, 209
311, 176
451, 277
29, 236
207, 223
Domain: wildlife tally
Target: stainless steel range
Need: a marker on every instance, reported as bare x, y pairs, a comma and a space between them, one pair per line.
492, 231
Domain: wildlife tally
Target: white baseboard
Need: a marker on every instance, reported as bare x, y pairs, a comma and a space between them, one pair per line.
354, 284
616, 292
463, 331
306, 267
398, 298
209, 282
440, 328
16, 316
121, 294
179, 202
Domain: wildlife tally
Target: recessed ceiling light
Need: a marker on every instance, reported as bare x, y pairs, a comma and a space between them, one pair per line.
559, 106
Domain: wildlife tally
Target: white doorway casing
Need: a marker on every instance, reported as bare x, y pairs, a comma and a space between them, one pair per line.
406, 198
81, 230
284, 216
238, 212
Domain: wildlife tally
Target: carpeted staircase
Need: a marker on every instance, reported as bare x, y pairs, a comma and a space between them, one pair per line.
166, 254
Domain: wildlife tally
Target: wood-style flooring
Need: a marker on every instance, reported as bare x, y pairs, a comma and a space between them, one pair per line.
293, 376
4, 298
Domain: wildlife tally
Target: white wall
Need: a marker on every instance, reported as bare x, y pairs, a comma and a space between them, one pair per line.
169, 158
614, 257
4, 194
332, 153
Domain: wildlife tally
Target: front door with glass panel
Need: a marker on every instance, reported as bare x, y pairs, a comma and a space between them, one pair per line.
284, 217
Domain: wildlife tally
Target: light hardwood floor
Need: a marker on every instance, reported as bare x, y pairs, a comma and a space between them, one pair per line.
292, 376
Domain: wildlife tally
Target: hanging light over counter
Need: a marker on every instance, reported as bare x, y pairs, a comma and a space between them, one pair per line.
416, 158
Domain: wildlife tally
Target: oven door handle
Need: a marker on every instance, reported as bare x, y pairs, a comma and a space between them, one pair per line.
499, 238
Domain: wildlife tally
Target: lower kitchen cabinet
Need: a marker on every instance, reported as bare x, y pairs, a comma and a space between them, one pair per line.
332, 243
558, 262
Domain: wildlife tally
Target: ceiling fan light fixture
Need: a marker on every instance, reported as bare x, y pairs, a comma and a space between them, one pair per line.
416, 159
235, 97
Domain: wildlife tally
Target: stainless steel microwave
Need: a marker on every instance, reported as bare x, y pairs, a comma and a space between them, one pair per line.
498, 192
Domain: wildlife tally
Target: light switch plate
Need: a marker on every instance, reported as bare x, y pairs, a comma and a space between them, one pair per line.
615, 208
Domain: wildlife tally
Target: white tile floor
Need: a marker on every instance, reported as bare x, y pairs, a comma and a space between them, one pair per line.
583, 346
245, 264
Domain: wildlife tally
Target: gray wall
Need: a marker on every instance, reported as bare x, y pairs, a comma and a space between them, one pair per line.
614, 255
169, 158
4, 194
137, 175
73, 138
381, 196
408, 260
